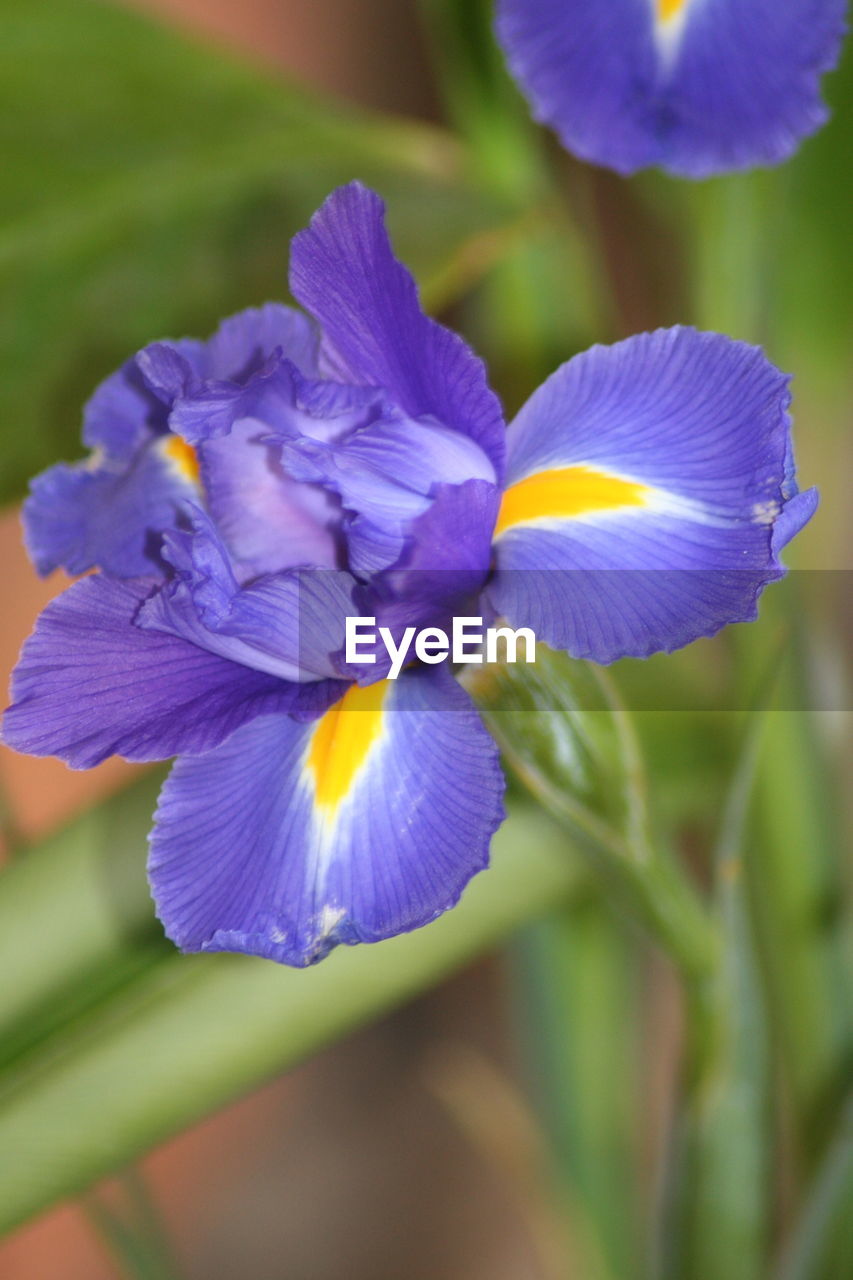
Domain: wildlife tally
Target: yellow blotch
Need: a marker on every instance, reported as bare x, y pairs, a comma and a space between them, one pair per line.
566, 492
669, 9
183, 457
342, 740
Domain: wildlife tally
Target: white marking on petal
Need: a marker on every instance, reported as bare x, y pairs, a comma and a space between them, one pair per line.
669, 21
330, 917
765, 512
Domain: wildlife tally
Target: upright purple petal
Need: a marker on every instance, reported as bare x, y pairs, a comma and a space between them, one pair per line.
244, 342
696, 86
288, 840
439, 575
242, 345
343, 270
387, 474
270, 521
286, 624
90, 684
645, 484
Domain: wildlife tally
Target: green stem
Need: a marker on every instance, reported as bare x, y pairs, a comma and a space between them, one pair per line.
133, 1233
647, 882
577, 999
821, 1245
732, 254
719, 1228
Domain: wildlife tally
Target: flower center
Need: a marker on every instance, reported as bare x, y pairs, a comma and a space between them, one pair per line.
183, 458
342, 740
669, 9
564, 493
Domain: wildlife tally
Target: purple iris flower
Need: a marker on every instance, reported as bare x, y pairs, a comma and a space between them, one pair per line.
697, 87
248, 495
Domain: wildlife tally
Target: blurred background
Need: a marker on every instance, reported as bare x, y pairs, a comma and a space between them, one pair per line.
519, 1120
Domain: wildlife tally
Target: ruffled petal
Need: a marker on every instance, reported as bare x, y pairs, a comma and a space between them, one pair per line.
90, 684
645, 483
278, 396
122, 414
343, 271
109, 510
289, 840
287, 625
439, 576
110, 516
387, 474
244, 342
242, 346
270, 521
696, 86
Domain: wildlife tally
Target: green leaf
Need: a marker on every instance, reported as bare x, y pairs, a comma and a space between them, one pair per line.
133, 1233
481, 98
821, 1243
812, 305
187, 1034
579, 1008
151, 188
798, 892
76, 919
721, 1180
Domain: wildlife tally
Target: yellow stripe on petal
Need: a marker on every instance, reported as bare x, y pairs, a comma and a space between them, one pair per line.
564, 493
342, 740
669, 9
183, 458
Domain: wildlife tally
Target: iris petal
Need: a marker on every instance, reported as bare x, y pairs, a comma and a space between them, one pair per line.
90, 684
258, 849
79, 516
286, 624
343, 271
696, 86
387, 474
646, 483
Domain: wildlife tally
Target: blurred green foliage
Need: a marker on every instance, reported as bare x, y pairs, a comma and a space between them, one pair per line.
151, 187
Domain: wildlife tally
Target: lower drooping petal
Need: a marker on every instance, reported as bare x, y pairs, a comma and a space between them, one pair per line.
90, 684
343, 270
695, 86
288, 840
646, 484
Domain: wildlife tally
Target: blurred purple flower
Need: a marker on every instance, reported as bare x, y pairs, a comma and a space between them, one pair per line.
697, 87
249, 494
